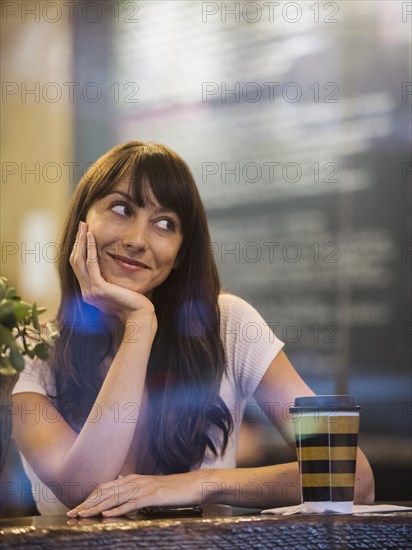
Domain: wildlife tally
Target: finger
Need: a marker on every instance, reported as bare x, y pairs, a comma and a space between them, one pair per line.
91, 512
135, 502
78, 245
100, 292
127, 507
96, 497
104, 497
78, 256
75, 245
91, 254
89, 508
113, 503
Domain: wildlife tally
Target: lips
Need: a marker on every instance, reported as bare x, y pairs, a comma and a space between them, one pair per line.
128, 263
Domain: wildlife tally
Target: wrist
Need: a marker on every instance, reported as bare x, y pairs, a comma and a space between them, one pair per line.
195, 484
142, 321
207, 485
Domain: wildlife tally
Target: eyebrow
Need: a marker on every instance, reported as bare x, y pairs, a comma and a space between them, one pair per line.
129, 198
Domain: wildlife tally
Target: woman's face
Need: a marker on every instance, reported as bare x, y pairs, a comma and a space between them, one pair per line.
137, 247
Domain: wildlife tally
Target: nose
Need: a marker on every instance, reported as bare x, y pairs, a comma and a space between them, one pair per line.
135, 238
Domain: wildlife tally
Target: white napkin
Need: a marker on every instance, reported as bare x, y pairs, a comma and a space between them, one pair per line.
356, 509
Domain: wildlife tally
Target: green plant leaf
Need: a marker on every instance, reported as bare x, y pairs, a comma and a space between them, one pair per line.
19, 330
6, 368
3, 287
11, 294
21, 310
7, 316
6, 338
16, 358
41, 351
35, 317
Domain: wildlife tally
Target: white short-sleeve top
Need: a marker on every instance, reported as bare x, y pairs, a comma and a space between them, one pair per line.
250, 346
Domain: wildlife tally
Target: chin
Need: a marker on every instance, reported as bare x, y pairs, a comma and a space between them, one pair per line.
125, 282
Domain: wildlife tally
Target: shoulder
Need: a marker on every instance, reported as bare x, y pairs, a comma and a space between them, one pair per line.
230, 304
36, 377
235, 311
249, 343
238, 314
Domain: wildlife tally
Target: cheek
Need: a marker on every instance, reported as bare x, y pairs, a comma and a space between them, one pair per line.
168, 254
99, 227
92, 218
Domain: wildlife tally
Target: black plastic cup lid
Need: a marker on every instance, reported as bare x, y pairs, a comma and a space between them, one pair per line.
345, 403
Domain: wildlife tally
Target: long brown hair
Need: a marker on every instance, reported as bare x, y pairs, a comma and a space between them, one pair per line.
187, 361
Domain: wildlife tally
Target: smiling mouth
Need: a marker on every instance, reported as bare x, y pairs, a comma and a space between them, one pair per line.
128, 263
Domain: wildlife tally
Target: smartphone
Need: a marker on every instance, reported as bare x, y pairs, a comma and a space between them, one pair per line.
171, 511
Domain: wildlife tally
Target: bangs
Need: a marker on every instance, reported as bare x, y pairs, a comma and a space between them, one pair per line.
150, 169
157, 170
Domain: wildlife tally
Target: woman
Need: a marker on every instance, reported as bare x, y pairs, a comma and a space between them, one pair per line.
141, 402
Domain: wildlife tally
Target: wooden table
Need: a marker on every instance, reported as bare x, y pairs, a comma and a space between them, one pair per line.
219, 527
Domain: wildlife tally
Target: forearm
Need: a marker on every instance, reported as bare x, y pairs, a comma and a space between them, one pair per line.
266, 487
247, 487
263, 487
269, 486
104, 441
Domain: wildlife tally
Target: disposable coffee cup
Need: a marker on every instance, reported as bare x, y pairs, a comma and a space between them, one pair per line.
326, 435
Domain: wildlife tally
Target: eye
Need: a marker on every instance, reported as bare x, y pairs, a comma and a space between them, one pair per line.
121, 208
168, 224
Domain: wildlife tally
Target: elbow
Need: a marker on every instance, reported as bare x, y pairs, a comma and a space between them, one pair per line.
71, 499
70, 493
67, 493
365, 482
365, 492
